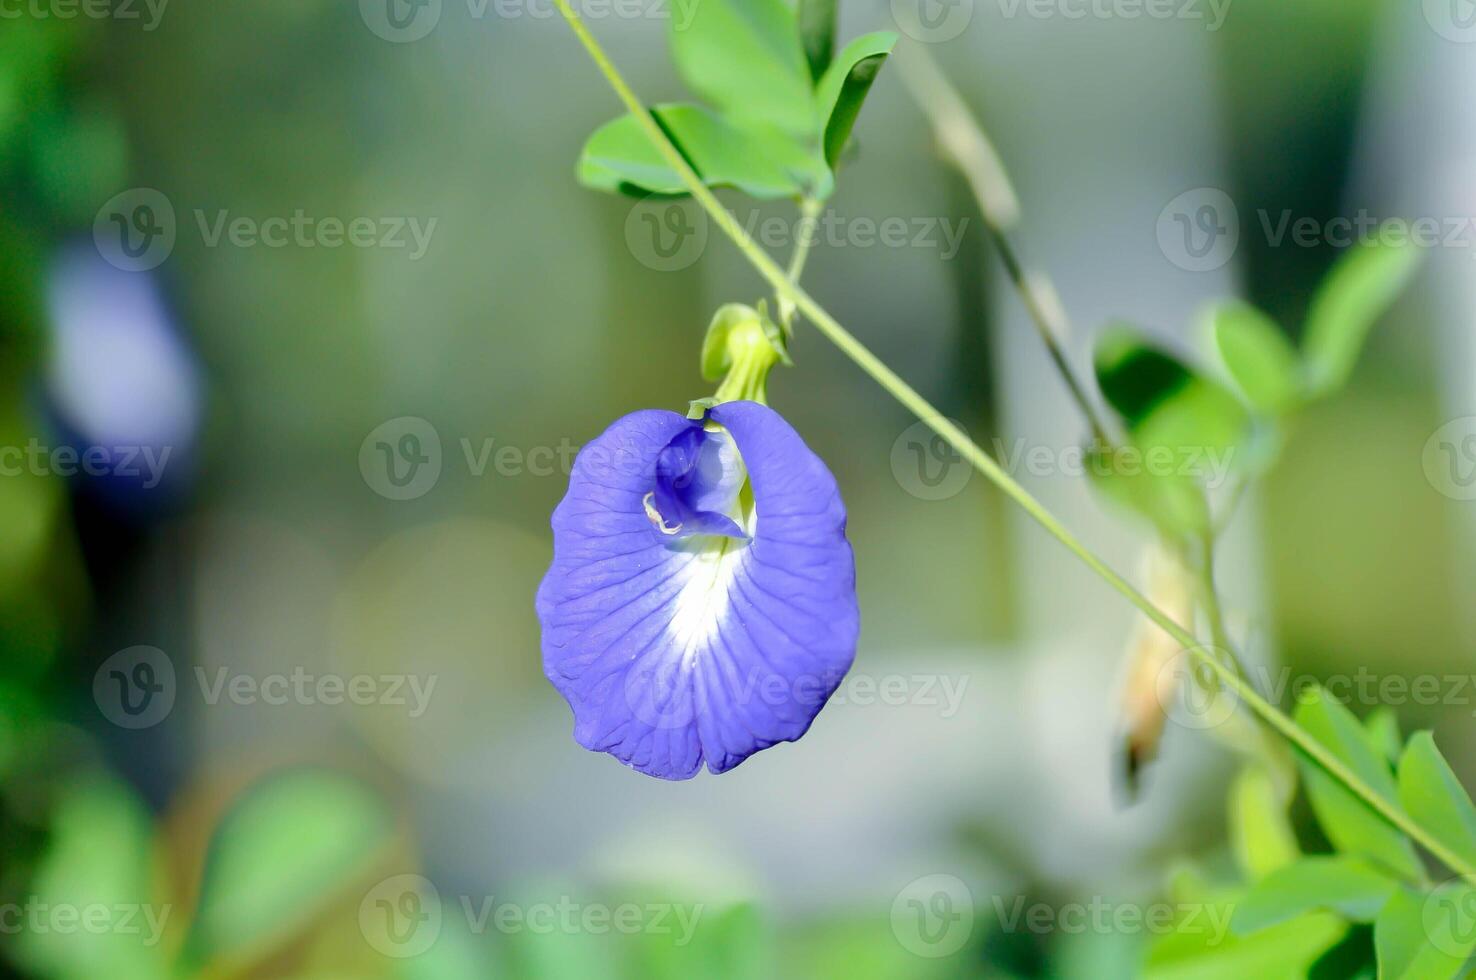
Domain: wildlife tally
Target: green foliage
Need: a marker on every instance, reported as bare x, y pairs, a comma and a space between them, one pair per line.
1418, 931
843, 88
1348, 821
782, 109
1264, 365
1285, 951
1430, 793
1420, 937
292, 844
1360, 287
100, 857
1164, 402
1260, 831
1335, 883
1176, 421
817, 34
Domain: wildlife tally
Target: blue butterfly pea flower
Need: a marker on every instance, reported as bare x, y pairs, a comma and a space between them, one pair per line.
701, 604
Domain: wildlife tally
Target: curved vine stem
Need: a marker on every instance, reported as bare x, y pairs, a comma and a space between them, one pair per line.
899, 389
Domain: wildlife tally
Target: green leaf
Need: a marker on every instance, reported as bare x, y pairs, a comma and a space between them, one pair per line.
292, 843
1425, 937
1183, 429
1382, 725
1347, 821
1176, 505
759, 161
1160, 399
1260, 831
1430, 793
843, 88
744, 57
1263, 363
1194, 951
99, 854
1334, 883
817, 34
1357, 291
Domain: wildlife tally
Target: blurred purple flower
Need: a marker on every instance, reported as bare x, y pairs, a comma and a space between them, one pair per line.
701, 605
119, 377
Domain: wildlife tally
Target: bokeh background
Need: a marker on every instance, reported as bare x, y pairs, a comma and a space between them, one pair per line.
198, 510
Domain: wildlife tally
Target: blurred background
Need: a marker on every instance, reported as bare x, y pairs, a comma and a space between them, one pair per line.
303, 316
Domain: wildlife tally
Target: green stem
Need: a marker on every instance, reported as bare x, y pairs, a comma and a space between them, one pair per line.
984, 463
963, 142
809, 213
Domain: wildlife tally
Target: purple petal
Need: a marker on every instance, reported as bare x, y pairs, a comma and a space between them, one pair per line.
679, 650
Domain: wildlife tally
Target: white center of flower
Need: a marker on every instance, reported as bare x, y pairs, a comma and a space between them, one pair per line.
701, 603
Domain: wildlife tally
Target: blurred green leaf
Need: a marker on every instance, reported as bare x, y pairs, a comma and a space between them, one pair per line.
760, 161
1195, 951
293, 843
732, 942
1352, 958
744, 57
843, 88
1360, 287
1382, 725
1430, 793
1348, 822
1162, 402
1263, 363
1184, 431
1260, 830
99, 862
1174, 504
817, 34
1334, 883
1420, 937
